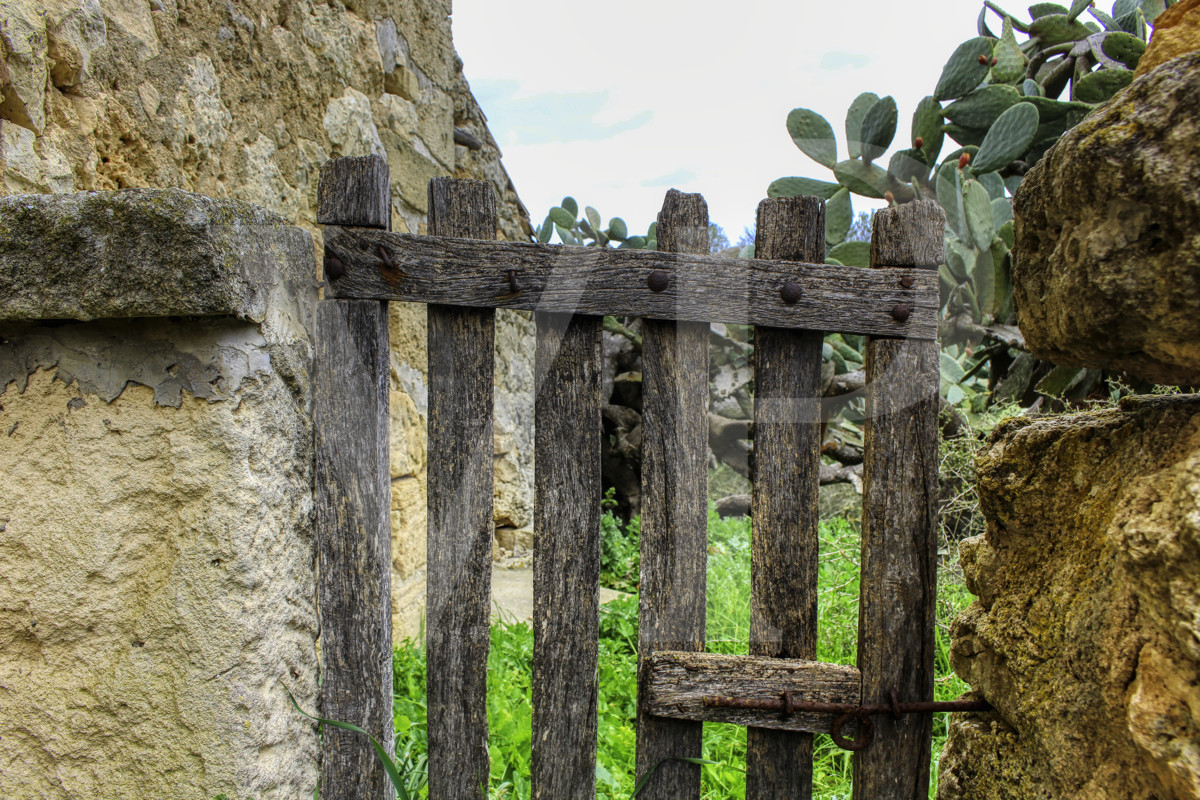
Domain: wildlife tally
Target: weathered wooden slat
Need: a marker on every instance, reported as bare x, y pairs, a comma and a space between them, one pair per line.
355, 191
679, 682
600, 281
459, 567
353, 505
899, 536
787, 455
566, 556
674, 506
353, 542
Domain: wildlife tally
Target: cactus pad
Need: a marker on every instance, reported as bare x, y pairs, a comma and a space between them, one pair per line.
813, 135
983, 106
963, 72
796, 187
854, 121
1009, 137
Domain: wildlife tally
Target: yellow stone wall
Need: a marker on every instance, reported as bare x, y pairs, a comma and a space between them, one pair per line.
247, 100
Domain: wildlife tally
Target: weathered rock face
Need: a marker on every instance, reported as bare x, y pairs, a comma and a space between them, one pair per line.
1107, 258
1176, 32
246, 101
1086, 633
156, 536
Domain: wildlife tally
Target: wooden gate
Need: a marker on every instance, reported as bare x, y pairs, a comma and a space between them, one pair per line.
778, 691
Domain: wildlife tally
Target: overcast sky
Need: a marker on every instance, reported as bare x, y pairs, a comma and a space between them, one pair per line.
615, 102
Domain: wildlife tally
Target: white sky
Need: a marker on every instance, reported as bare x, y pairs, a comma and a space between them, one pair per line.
615, 102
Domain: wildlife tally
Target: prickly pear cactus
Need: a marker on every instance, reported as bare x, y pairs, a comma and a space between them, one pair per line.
1005, 102
588, 231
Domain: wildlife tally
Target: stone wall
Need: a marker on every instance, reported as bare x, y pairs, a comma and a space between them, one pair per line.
1086, 633
246, 101
156, 536
1085, 637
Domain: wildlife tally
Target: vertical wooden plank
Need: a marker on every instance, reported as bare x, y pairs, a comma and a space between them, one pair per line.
674, 506
459, 566
355, 191
787, 443
566, 556
353, 503
899, 546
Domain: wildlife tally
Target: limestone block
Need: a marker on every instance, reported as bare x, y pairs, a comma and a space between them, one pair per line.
411, 170
408, 606
1107, 259
133, 20
146, 253
407, 428
1086, 635
23, 43
200, 122
516, 341
74, 34
260, 177
403, 82
342, 40
351, 126
435, 113
32, 164
408, 519
397, 115
393, 47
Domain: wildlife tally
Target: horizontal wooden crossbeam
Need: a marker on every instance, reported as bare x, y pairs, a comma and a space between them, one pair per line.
897, 302
679, 682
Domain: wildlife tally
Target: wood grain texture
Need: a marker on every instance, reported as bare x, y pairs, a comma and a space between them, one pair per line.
353, 503
355, 191
566, 556
899, 535
599, 281
677, 682
787, 457
354, 562
674, 507
460, 470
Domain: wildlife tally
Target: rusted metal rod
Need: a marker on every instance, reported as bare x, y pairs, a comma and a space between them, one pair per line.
848, 712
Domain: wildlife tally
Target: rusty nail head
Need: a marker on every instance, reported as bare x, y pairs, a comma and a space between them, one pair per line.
334, 267
790, 293
907, 281
658, 280
901, 312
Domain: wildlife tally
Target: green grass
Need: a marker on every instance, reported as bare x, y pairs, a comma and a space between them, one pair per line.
728, 622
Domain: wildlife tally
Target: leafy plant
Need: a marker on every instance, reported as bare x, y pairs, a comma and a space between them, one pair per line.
1000, 99
620, 548
588, 230
401, 784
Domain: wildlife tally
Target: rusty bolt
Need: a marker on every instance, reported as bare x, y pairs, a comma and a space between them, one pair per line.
658, 280
901, 312
907, 281
334, 268
790, 293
